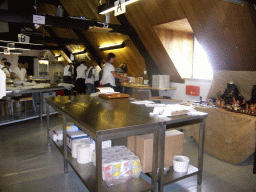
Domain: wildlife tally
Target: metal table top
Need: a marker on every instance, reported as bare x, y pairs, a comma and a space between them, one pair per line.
102, 116
36, 90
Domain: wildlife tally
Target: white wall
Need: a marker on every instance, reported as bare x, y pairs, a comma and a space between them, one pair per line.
180, 92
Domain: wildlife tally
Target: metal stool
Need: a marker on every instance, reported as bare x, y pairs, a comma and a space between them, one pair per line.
23, 99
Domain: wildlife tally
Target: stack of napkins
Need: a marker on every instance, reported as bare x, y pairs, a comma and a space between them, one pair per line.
172, 110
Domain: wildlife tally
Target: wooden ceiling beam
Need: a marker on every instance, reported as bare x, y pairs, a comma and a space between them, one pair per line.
40, 39
89, 48
60, 44
151, 65
53, 21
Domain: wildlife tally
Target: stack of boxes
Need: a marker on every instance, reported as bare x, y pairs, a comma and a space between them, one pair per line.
142, 146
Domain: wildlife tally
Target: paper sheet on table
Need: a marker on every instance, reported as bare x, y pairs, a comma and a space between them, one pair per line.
106, 90
144, 102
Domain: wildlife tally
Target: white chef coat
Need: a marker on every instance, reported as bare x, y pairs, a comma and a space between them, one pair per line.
81, 71
20, 73
107, 76
67, 72
7, 72
1, 66
90, 80
97, 70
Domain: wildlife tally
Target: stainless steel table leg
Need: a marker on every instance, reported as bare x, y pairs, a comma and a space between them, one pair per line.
41, 106
98, 148
161, 157
201, 152
65, 145
48, 123
155, 159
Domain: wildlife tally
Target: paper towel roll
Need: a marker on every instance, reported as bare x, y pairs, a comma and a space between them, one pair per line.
74, 147
83, 153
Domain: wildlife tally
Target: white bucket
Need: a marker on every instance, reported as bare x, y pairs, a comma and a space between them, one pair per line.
180, 163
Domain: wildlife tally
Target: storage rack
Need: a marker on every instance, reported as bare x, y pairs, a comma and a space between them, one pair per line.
89, 114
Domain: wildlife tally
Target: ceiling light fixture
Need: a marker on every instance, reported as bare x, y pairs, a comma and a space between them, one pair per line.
113, 46
109, 6
43, 61
79, 52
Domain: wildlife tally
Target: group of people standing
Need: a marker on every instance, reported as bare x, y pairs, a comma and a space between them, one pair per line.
19, 73
96, 76
87, 78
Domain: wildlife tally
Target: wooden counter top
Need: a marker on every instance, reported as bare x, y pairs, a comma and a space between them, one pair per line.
143, 86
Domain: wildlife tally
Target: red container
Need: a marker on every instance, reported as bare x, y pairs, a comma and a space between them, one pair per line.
60, 93
193, 90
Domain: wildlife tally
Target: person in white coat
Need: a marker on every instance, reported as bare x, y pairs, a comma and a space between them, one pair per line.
7, 70
3, 60
90, 77
81, 76
20, 73
109, 73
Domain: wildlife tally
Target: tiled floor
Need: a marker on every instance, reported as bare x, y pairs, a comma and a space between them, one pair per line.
28, 165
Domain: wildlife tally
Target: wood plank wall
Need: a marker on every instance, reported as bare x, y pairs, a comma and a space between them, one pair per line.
226, 31
179, 46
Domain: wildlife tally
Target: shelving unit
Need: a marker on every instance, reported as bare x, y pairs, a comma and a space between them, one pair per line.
109, 119
87, 174
97, 118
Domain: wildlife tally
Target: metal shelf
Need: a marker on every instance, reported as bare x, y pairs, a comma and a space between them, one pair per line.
173, 176
87, 174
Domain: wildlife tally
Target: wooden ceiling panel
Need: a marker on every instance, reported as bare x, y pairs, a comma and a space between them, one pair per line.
129, 54
226, 31
88, 9
65, 33
143, 24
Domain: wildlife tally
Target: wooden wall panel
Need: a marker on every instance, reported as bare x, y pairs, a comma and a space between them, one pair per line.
179, 46
143, 21
226, 31
129, 54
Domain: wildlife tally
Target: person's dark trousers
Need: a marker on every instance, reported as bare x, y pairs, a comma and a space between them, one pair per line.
96, 83
80, 85
91, 88
68, 80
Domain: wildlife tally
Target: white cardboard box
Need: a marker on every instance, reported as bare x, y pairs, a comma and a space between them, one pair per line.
160, 81
56, 135
73, 135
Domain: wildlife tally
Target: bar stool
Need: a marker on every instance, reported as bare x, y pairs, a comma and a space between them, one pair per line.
23, 99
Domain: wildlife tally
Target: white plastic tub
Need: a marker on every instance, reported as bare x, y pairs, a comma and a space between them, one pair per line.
180, 163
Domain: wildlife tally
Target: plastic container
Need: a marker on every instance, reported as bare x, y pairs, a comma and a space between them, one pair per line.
180, 163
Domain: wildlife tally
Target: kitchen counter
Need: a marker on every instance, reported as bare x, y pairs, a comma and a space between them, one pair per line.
14, 91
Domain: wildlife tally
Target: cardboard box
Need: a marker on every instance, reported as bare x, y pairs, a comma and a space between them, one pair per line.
56, 135
73, 135
160, 81
142, 146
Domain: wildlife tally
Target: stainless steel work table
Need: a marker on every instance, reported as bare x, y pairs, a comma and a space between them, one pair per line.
103, 120
18, 92
110, 119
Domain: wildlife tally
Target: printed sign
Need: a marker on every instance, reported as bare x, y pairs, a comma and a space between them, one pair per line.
119, 7
39, 19
7, 51
23, 38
